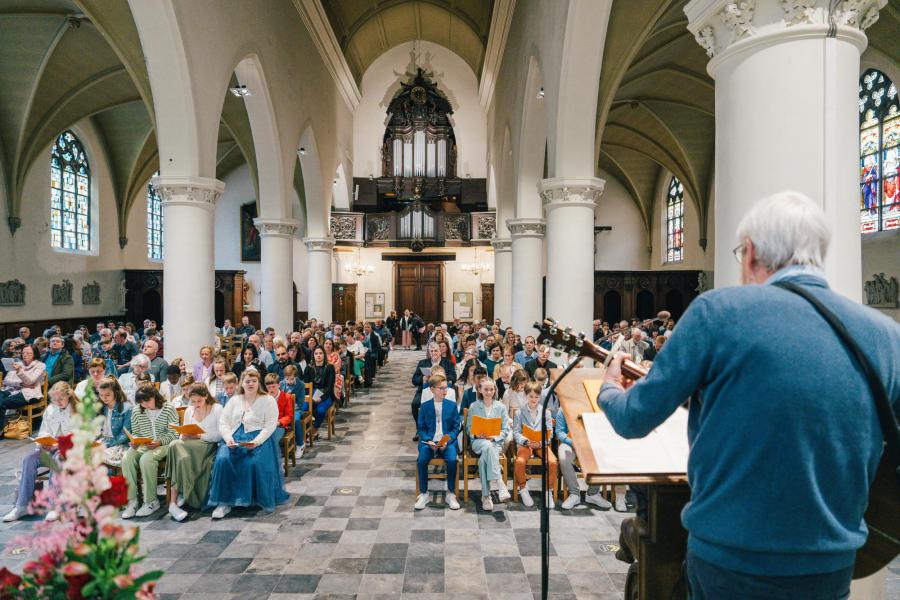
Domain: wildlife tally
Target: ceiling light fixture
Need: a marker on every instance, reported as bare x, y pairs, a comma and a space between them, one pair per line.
540, 94
301, 151
241, 91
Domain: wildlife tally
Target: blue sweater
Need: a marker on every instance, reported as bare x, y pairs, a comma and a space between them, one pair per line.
785, 439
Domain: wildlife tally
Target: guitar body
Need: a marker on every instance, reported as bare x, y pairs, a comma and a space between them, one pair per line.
883, 520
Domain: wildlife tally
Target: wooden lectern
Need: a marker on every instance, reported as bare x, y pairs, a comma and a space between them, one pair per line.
661, 552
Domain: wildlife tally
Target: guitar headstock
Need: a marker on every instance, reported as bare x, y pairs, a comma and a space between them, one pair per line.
563, 339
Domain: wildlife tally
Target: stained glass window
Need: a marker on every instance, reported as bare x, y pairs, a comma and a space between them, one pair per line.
879, 153
675, 221
155, 229
70, 195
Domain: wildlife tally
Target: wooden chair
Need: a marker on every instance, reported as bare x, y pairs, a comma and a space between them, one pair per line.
468, 459
308, 418
288, 449
533, 463
34, 411
438, 474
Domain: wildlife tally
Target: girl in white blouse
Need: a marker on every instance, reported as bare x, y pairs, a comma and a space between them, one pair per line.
246, 470
191, 457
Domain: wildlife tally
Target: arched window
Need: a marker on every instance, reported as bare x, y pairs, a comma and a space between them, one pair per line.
879, 152
70, 195
155, 229
675, 221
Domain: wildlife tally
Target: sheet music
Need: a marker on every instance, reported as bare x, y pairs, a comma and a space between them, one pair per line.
663, 451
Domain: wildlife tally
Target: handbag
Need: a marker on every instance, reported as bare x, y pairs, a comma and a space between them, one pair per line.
884, 494
17, 429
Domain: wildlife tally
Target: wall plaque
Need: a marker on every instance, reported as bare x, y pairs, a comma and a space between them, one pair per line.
12, 293
90, 293
61, 293
881, 292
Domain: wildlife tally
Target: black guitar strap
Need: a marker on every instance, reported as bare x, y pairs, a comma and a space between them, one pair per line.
882, 405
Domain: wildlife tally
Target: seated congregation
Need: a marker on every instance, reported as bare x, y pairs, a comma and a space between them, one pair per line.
220, 432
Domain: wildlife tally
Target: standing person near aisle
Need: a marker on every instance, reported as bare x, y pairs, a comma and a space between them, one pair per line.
417, 326
405, 325
393, 325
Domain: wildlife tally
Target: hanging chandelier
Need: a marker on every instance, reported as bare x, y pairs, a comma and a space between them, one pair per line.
359, 269
475, 268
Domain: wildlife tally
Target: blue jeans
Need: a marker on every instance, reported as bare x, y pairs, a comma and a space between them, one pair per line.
709, 582
426, 453
30, 465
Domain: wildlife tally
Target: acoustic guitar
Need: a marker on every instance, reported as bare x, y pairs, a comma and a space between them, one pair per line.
882, 514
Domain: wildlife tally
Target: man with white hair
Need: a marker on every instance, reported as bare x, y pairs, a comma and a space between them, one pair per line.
785, 438
635, 346
139, 365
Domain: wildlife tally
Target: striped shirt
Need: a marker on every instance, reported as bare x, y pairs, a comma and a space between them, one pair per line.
143, 426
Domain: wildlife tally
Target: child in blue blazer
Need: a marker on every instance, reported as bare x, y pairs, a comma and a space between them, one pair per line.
438, 426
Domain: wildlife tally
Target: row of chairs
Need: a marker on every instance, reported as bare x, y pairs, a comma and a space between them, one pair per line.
32, 412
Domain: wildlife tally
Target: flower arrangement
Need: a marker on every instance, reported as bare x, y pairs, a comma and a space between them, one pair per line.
84, 553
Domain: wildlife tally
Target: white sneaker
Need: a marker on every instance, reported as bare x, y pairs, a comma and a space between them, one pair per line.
550, 503
421, 501
525, 497
15, 514
180, 500
452, 502
148, 509
487, 504
161, 489
220, 511
620, 503
129, 511
177, 513
598, 500
571, 502
298, 453
503, 493
51, 515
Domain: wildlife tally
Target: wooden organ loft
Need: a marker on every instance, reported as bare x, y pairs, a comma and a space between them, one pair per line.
419, 201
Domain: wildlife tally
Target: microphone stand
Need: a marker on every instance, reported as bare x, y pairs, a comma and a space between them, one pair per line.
545, 509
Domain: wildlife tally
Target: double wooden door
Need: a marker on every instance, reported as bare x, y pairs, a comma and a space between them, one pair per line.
343, 302
419, 287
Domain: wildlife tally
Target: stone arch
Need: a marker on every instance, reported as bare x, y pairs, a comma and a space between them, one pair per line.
318, 207
532, 144
506, 185
340, 194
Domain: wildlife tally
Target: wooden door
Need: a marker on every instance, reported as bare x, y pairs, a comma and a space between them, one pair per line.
419, 287
343, 302
487, 302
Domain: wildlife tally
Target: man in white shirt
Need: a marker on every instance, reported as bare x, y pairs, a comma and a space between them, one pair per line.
636, 346
438, 427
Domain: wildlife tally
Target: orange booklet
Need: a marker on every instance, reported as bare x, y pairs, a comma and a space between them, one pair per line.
45, 440
443, 440
488, 427
246, 444
533, 435
140, 441
189, 429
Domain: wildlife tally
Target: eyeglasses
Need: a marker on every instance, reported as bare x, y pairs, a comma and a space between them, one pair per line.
738, 253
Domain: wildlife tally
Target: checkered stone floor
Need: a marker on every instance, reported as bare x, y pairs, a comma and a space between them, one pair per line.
350, 531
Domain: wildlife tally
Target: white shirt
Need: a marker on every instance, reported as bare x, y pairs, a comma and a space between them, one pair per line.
210, 424
439, 425
126, 380
261, 416
170, 391
82, 388
427, 394
56, 421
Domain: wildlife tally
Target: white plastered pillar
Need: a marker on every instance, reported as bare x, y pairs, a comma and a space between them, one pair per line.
502, 279
786, 116
189, 269
527, 234
319, 260
277, 268
569, 204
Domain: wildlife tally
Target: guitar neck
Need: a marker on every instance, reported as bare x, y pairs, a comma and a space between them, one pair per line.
630, 369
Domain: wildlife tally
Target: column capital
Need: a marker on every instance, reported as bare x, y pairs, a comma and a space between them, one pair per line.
202, 192
319, 244
276, 227
501, 245
726, 25
527, 227
558, 192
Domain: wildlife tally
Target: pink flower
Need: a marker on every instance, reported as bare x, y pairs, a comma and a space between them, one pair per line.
82, 550
74, 568
123, 581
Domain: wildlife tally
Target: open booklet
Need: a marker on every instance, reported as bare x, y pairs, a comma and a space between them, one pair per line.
488, 427
139, 441
8, 363
189, 429
664, 451
534, 435
426, 371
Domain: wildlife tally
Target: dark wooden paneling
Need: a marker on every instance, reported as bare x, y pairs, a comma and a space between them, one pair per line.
343, 302
487, 302
144, 299
419, 287
641, 294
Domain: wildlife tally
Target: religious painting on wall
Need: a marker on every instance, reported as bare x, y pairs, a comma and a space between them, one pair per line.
463, 306
375, 305
251, 248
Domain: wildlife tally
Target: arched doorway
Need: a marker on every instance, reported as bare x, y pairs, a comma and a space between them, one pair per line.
674, 303
644, 304
220, 308
612, 307
152, 304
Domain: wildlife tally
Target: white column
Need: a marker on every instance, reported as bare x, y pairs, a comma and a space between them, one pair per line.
318, 263
527, 271
189, 270
502, 279
786, 115
277, 273
569, 204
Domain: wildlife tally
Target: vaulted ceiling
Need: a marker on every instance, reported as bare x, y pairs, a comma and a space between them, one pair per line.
365, 29
656, 104
62, 61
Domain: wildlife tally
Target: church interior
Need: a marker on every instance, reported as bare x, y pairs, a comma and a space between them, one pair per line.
274, 162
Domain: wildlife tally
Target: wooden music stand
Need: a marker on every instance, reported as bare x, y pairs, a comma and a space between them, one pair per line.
662, 551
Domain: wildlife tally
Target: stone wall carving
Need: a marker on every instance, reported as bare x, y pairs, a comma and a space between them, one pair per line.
61, 293
486, 226
377, 228
456, 227
90, 293
343, 227
881, 292
12, 293
527, 227
738, 17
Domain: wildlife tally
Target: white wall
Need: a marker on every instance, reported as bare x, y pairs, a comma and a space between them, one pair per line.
625, 247
694, 256
453, 76
29, 257
881, 254
382, 280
